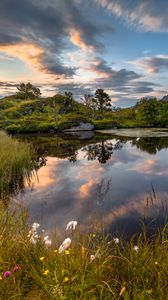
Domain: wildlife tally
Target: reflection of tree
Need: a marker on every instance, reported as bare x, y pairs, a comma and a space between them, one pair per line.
102, 190
151, 145
73, 157
101, 151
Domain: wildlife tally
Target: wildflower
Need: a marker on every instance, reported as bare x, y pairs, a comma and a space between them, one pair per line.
67, 252
66, 243
7, 274
55, 251
156, 263
16, 268
92, 257
71, 225
33, 240
0, 277
116, 240
46, 272
33, 233
42, 258
66, 279
136, 248
97, 255
93, 235
47, 241
122, 291
35, 226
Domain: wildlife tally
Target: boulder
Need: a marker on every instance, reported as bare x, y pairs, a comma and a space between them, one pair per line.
81, 135
82, 127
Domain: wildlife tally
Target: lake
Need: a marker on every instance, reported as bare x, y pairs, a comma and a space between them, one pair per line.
113, 179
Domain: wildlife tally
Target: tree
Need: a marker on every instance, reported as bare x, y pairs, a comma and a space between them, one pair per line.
102, 100
88, 100
28, 91
69, 94
148, 109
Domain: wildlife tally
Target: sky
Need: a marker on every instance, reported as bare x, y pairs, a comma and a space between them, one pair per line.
82, 45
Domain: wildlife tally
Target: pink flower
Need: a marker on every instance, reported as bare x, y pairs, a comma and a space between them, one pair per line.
7, 274
16, 268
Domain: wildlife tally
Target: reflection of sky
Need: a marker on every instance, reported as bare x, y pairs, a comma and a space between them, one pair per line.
66, 190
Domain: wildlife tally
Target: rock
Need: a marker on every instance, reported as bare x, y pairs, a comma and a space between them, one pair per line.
82, 127
81, 135
62, 111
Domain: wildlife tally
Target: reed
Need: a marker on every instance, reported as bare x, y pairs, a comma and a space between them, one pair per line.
15, 164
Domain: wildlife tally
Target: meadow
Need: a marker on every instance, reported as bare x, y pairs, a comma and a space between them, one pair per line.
34, 265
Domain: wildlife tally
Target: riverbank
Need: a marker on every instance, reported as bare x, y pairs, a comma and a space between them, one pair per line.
90, 266
60, 113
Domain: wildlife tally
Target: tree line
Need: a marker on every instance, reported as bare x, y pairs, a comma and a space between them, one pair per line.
99, 101
152, 111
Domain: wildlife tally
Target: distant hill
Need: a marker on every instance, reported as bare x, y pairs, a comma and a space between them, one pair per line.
165, 98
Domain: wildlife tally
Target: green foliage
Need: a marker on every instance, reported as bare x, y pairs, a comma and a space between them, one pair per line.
105, 123
116, 270
102, 100
61, 111
148, 111
28, 91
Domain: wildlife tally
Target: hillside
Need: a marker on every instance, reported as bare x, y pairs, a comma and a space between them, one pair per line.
62, 112
55, 113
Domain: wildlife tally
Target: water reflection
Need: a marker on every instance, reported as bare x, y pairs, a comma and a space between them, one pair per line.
104, 178
101, 151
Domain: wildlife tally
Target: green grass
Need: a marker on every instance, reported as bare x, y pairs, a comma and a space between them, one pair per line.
72, 275
15, 163
61, 112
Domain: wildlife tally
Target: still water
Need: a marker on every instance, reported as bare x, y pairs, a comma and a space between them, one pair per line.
118, 179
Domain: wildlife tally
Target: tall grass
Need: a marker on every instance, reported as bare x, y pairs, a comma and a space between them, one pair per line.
15, 163
116, 269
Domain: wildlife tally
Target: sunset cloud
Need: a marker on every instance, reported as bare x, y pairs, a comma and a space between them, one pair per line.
153, 64
79, 46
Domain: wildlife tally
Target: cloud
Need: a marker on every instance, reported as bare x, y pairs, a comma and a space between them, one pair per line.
120, 84
152, 64
7, 88
119, 81
50, 29
145, 15
61, 44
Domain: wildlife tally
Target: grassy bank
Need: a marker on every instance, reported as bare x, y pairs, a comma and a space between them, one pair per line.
61, 112
91, 267
15, 163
